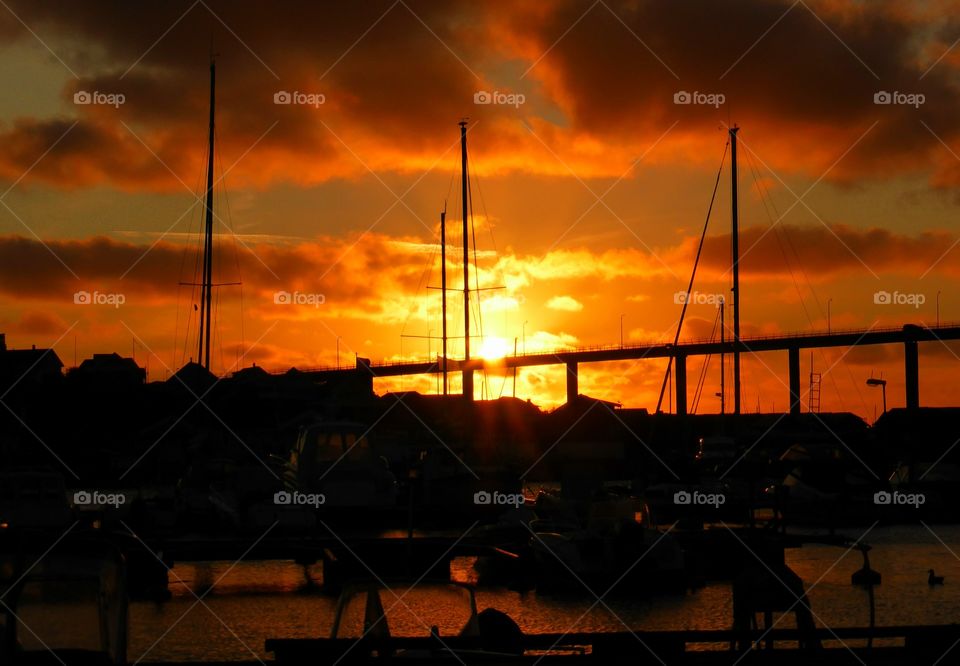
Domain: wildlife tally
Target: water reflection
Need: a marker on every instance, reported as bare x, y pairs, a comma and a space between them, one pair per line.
250, 602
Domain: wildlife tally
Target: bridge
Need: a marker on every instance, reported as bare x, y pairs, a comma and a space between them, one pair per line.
908, 335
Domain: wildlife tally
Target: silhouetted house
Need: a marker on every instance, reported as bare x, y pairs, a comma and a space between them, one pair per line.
925, 434
28, 368
109, 371
254, 375
193, 377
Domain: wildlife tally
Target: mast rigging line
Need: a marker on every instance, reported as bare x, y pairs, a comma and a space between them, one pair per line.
476, 263
693, 274
774, 224
203, 339
496, 252
227, 221
462, 200
701, 381
209, 195
198, 199
476, 269
422, 283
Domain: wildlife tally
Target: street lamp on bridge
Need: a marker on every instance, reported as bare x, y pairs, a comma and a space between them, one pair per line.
882, 383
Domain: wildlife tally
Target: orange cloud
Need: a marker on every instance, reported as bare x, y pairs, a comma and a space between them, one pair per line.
383, 278
565, 304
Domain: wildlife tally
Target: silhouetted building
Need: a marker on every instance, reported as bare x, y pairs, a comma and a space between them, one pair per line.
109, 371
193, 377
254, 375
28, 368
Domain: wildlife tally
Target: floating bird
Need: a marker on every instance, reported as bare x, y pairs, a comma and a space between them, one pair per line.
865, 576
933, 580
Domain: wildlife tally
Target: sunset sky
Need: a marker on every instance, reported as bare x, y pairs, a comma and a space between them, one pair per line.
591, 184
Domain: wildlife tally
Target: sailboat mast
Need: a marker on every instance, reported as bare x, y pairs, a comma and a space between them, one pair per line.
735, 244
723, 388
467, 374
443, 290
206, 288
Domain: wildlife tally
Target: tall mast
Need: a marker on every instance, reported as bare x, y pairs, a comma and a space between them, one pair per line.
206, 288
723, 388
735, 243
443, 289
467, 374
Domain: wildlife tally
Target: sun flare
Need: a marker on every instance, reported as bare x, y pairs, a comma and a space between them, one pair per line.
492, 348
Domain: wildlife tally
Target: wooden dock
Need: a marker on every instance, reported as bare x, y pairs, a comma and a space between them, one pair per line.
893, 646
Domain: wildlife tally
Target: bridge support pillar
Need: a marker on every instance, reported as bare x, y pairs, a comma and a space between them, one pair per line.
468, 384
680, 361
794, 372
911, 372
573, 381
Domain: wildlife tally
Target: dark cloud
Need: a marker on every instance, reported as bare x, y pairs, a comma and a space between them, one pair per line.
398, 92
344, 270
801, 82
35, 322
824, 252
396, 77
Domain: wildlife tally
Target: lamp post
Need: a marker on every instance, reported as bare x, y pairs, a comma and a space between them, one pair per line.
882, 383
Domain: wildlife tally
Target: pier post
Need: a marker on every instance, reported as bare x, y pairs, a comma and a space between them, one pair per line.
911, 372
794, 372
573, 381
680, 361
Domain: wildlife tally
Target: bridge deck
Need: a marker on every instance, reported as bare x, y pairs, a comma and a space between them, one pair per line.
810, 340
